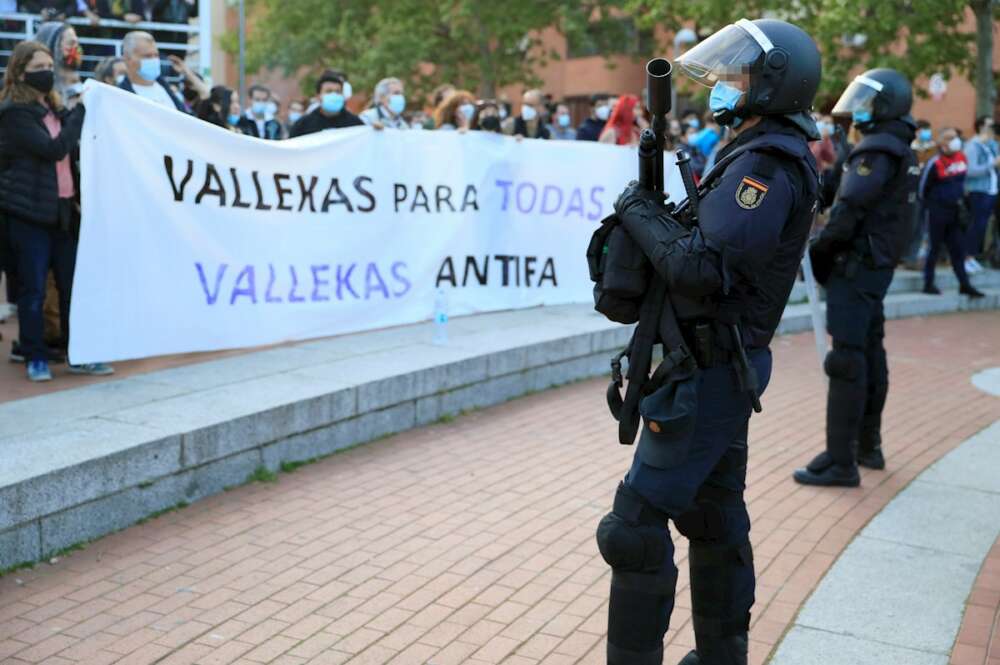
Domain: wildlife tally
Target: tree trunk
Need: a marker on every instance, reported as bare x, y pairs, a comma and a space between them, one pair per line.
985, 86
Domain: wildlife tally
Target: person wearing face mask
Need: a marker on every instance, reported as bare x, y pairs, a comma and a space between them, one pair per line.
729, 278
981, 187
487, 117
111, 70
823, 150
38, 196
388, 105
561, 128
855, 256
590, 128
256, 122
61, 40
530, 124
222, 109
331, 112
296, 109
942, 191
144, 72
455, 112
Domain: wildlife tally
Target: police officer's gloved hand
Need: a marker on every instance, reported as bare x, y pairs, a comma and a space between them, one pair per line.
637, 197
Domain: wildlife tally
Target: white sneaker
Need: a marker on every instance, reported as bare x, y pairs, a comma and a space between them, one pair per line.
970, 266
977, 265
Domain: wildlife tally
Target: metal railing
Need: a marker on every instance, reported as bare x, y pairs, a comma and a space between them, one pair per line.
16, 27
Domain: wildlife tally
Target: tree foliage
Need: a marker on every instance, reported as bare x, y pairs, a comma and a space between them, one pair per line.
475, 44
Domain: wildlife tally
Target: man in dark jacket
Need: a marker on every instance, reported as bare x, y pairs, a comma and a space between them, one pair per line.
590, 129
255, 122
331, 113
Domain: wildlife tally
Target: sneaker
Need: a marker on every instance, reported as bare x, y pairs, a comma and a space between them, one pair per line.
16, 356
976, 265
970, 266
38, 370
92, 369
931, 290
971, 291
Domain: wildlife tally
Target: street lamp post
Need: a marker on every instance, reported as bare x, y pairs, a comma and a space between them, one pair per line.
684, 37
243, 50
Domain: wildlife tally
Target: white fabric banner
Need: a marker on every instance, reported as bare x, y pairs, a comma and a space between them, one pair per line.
196, 239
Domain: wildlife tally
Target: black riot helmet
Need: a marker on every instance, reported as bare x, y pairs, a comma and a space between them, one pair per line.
775, 64
876, 96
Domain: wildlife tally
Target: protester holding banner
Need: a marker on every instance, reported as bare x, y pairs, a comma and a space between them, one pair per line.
388, 105
222, 108
38, 191
144, 72
529, 124
487, 117
331, 112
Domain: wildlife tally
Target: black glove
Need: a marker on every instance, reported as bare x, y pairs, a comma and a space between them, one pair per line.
636, 196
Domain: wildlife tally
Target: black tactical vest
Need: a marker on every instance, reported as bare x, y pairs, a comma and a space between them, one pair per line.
760, 304
884, 232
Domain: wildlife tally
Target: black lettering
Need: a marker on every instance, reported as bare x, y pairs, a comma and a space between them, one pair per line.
548, 272
399, 194
260, 193
282, 190
341, 197
446, 273
417, 196
469, 200
307, 193
238, 201
445, 198
470, 262
358, 182
207, 190
529, 269
505, 260
168, 164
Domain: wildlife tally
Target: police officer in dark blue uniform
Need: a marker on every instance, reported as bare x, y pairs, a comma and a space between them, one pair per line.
729, 279
855, 255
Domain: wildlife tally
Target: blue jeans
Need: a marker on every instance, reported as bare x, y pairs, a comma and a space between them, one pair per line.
37, 250
982, 207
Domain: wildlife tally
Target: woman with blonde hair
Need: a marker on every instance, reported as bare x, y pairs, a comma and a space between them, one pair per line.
456, 111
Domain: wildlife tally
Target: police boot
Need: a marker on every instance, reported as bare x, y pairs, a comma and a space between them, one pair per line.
731, 650
823, 471
870, 444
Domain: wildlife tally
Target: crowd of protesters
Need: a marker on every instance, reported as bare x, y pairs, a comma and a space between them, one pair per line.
41, 119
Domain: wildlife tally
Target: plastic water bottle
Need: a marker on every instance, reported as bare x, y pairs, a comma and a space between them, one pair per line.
440, 318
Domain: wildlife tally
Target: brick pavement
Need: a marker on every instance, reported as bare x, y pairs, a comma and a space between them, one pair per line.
473, 541
978, 641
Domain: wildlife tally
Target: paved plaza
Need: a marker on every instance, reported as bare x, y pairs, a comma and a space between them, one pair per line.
472, 541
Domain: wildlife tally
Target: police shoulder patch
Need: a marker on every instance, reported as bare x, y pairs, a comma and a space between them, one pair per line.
750, 194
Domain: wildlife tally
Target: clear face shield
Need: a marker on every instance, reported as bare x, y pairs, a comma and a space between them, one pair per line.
728, 55
859, 98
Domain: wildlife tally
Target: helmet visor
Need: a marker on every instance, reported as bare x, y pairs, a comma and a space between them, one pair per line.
727, 55
859, 96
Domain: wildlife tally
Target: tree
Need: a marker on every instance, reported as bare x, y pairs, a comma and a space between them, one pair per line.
917, 37
476, 44
985, 11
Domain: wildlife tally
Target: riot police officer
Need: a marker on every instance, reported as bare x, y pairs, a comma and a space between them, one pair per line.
855, 256
729, 279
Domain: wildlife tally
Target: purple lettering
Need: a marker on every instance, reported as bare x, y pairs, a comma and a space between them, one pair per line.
270, 285
526, 186
575, 203
550, 210
344, 281
211, 296
400, 278
295, 282
597, 203
318, 282
249, 290
505, 185
374, 282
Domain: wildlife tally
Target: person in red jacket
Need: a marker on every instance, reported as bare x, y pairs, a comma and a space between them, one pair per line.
942, 191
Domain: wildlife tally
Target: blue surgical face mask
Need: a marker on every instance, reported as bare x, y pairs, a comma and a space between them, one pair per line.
233, 119
149, 69
694, 123
333, 102
564, 120
861, 117
259, 108
397, 103
293, 117
725, 97
926, 135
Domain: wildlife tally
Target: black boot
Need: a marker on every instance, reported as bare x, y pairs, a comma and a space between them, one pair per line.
824, 472
871, 459
729, 650
971, 291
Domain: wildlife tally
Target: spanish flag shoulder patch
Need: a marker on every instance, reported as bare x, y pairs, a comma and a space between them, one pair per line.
750, 194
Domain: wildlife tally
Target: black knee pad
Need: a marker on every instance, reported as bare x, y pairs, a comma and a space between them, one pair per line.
705, 521
631, 547
843, 364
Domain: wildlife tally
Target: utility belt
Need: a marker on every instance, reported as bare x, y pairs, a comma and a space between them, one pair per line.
710, 342
847, 263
